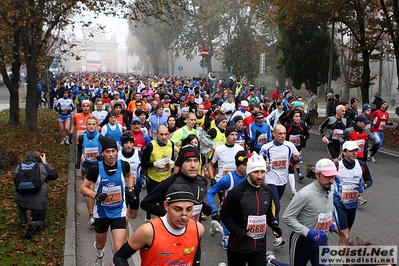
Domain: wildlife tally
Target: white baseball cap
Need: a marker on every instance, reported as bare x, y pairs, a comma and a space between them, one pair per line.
350, 145
244, 103
326, 167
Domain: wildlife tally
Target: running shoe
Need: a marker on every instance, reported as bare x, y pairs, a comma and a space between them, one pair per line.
361, 201
368, 153
212, 230
63, 141
278, 241
225, 242
215, 228
30, 231
371, 159
91, 220
301, 176
269, 256
98, 261
66, 141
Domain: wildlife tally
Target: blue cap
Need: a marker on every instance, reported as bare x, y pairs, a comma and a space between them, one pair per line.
136, 119
365, 107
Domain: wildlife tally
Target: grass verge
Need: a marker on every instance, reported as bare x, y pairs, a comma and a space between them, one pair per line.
47, 247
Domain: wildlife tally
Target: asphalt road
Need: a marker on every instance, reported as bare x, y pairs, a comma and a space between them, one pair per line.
376, 221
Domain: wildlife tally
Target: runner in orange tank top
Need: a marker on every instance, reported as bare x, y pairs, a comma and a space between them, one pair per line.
79, 120
175, 233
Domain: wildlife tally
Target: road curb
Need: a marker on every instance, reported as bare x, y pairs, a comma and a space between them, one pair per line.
70, 230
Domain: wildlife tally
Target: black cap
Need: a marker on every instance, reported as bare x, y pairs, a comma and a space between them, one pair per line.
186, 152
127, 136
353, 100
179, 192
241, 158
229, 130
238, 118
108, 143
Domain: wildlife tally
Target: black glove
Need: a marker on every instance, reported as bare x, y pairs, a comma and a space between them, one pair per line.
213, 182
215, 216
77, 165
244, 237
131, 197
274, 226
100, 197
257, 133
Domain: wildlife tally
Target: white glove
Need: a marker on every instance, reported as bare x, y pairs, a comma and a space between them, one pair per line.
160, 163
171, 164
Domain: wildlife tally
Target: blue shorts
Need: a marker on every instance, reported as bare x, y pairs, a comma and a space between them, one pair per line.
344, 217
63, 118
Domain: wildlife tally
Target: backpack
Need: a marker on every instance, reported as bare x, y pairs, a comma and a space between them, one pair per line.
27, 180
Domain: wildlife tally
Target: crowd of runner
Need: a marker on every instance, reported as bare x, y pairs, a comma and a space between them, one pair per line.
188, 140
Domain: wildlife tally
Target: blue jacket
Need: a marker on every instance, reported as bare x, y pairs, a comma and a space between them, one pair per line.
223, 185
263, 129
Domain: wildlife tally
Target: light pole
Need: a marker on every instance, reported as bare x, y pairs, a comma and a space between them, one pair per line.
330, 66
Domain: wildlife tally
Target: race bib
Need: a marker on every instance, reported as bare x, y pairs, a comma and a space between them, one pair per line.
262, 139
91, 153
165, 168
197, 212
349, 193
324, 221
114, 195
337, 133
256, 226
382, 126
360, 143
279, 164
227, 169
295, 139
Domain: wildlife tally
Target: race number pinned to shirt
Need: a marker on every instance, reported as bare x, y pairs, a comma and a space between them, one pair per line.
165, 168
279, 163
295, 139
324, 221
337, 133
91, 153
349, 193
114, 195
381, 126
262, 139
360, 143
227, 168
256, 226
196, 212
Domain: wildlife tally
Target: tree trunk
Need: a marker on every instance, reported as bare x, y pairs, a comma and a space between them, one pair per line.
13, 84
281, 79
32, 97
13, 119
365, 85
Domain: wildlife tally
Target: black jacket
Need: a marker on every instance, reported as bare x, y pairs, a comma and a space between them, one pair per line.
153, 202
244, 200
